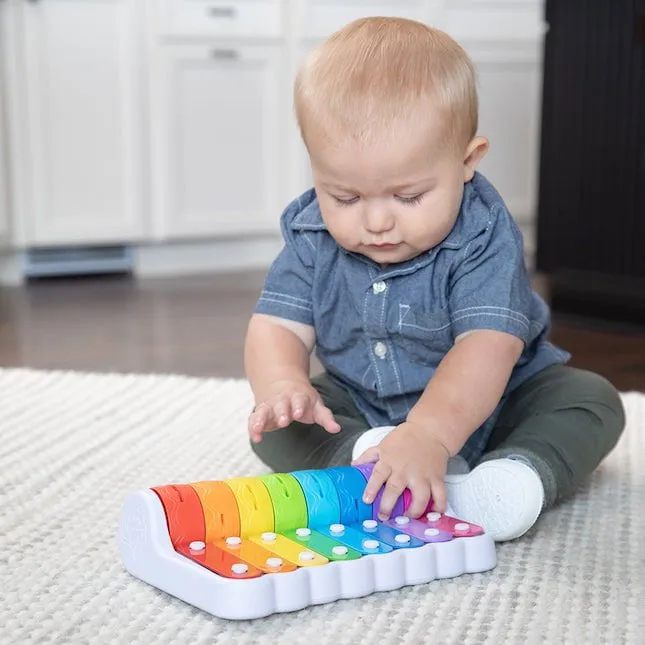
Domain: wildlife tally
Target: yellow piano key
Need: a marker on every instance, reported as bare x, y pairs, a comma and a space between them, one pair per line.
254, 504
289, 550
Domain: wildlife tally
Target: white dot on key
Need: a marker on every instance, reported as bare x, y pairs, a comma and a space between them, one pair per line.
433, 517
431, 532
370, 524
268, 537
462, 526
402, 539
197, 546
401, 520
370, 544
274, 563
337, 528
303, 532
339, 550
239, 568
233, 541
306, 555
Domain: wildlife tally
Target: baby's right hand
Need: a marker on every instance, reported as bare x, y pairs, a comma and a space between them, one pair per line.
288, 401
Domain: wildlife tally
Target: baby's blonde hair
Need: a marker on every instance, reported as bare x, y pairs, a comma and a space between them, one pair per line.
376, 71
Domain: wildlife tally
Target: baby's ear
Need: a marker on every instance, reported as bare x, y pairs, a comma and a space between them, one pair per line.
475, 152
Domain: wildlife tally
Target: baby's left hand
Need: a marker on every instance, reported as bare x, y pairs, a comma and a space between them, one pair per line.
409, 457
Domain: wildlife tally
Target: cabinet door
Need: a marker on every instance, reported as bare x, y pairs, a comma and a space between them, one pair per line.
82, 125
218, 150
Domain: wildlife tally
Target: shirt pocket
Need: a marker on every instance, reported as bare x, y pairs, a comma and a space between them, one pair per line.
425, 337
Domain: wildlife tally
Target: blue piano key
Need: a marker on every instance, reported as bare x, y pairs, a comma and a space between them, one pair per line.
388, 535
350, 485
323, 505
355, 539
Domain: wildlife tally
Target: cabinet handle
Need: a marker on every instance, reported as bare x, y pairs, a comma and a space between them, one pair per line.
222, 12
225, 54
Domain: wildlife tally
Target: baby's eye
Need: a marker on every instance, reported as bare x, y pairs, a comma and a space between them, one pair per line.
415, 199
345, 201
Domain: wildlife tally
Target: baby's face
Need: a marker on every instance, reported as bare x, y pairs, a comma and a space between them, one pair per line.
394, 199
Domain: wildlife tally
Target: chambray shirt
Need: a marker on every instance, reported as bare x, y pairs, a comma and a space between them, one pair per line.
382, 331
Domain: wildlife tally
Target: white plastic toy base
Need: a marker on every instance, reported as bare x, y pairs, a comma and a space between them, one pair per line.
148, 554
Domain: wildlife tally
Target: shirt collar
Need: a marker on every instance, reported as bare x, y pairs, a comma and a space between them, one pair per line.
309, 218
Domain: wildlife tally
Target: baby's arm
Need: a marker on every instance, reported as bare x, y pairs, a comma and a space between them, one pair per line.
467, 386
491, 306
276, 357
461, 395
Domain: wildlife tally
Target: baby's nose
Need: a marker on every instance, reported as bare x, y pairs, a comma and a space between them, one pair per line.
378, 220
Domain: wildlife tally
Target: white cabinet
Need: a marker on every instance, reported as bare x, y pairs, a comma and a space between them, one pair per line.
169, 122
218, 139
505, 41
322, 17
4, 184
81, 122
509, 95
220, 18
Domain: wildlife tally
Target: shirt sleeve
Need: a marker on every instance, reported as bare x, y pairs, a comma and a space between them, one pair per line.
490, 287
287, 291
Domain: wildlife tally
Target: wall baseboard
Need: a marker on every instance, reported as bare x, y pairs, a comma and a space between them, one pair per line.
216, 256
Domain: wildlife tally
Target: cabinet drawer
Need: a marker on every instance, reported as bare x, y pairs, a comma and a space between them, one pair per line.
235, 18
323, 17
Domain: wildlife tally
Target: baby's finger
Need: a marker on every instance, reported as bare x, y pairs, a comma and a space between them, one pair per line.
324, 417
439, 498
258, 421
282, 411
393, 490
380, 473
420, 499
370, 456
299, 405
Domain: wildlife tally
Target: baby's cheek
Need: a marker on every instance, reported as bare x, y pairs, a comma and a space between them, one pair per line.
344, 230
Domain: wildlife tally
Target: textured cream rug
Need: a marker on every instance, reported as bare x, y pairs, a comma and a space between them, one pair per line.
73, 446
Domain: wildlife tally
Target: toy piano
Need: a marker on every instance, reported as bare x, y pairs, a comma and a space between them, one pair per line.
249, 547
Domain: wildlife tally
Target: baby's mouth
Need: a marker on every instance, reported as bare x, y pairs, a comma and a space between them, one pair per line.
384, 245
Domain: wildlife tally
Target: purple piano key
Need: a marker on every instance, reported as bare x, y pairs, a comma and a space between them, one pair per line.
399, 507
366, 470
420, 530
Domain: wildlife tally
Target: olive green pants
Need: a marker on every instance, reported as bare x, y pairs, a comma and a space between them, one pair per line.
563, 421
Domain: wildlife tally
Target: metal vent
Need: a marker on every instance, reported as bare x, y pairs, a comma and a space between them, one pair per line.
77, 260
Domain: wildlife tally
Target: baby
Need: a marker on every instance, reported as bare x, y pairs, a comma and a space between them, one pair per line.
405, 270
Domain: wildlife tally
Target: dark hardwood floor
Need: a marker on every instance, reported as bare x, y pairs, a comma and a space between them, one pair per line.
196, 326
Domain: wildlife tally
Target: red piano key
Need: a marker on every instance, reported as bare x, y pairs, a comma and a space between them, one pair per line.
184, 513
458, 528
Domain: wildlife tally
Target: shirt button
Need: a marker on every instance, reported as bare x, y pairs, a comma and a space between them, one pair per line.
379, 287
380, 349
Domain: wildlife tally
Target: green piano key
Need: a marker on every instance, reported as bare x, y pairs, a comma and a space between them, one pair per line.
322, 544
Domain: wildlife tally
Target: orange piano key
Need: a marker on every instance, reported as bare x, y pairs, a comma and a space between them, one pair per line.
220, 509
218, 561
264, 559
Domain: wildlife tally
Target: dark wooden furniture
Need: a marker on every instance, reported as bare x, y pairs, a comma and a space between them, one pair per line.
591, 219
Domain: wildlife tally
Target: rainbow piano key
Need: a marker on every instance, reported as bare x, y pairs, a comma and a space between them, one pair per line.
250, 547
